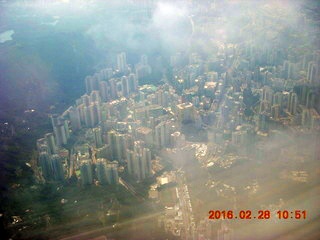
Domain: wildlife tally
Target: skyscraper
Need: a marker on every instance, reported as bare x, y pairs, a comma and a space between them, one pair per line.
92, 114
60, 129
86, 172
142, 70
92, 84
42, 146
139, 161
263, 122
51, 167
51, 143
112, 172
117, 142
293, 102
45, 165
86, 100
185, 112
125, 86
95, 96
101, 170
275, 111
122, 62
162, 135
97, 137
57, 168
311, 99
313, 73
104, 91
267, 94
74, 116
133, 83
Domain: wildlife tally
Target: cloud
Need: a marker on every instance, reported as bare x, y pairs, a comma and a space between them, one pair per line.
171, 21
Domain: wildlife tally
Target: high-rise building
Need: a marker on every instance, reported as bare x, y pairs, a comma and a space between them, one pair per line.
304, 93
104, 91
139, 161
88, 116
146, 158
106, 73
311, 99
45, 165
74, 116
86, 100
117, 142
292, 103
315, 120
60, 129
57, 167
162, 98
313, 73
42, 146
277, 99
92, 114
133, 83
51, 143
125, 86
101, 170
142, 71
95, 97
239, 138
144, 134
162, 134
86, 172
305, 117
275, 111
131, 155
286, 65
185, 112
92, 84
96, 113
97, 137
113, 88
267, 94
265, 106
112, 172
51, 166
81, 109
177, 139
263, 122
122, 62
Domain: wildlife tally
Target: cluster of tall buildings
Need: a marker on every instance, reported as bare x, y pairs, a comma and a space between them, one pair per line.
50, 161
60, 127
52, 167
103, 113
129, 124
102, 170
139, 161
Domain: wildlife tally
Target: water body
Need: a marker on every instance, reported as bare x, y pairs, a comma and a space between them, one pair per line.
6, 36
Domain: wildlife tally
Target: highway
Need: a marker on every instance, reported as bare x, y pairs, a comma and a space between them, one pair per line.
131, 189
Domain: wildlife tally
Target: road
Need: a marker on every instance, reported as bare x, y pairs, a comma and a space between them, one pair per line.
131, 189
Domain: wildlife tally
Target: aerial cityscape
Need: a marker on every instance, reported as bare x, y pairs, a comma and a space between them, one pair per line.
151, 119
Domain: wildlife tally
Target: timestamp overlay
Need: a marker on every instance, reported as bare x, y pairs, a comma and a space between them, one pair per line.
257, 214
280, 223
